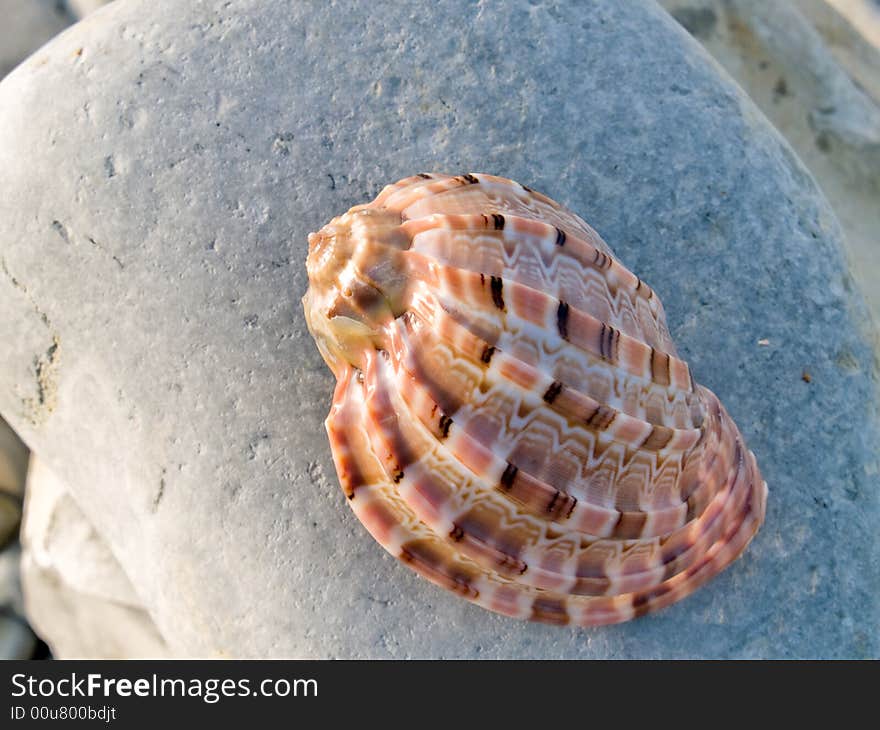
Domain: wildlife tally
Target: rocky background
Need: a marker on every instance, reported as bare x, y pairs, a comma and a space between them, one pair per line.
816, 76
121, 559
25, 25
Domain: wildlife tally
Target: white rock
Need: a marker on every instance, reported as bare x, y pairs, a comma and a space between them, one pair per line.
78, 598
78, 625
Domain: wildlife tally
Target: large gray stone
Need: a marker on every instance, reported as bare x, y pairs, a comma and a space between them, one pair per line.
155, 217
818, 80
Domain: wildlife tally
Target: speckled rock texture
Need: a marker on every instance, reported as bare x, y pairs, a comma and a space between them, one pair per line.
817, 78
155, 217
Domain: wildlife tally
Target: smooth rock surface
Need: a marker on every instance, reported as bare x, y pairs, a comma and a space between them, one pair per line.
818, 80
81, 8
10, 586
865, 14
27, 25
156, 215
78, 597
17, 641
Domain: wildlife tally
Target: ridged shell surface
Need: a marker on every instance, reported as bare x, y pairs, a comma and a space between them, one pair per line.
511, 418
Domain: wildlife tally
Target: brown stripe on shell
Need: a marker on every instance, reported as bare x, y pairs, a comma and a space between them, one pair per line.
550, 610
497, 288
348, 466
553, 391
350, 476
630, 525
509, 476
608, 336
602, 260
528, 490
486, 544
424, 557
445, 425
658, 438
660, 367
641, 602
562, 320
601, 418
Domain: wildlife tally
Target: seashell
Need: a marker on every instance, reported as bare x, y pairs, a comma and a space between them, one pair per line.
511, 418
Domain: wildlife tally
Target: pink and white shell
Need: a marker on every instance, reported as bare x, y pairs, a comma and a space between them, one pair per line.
511, 418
